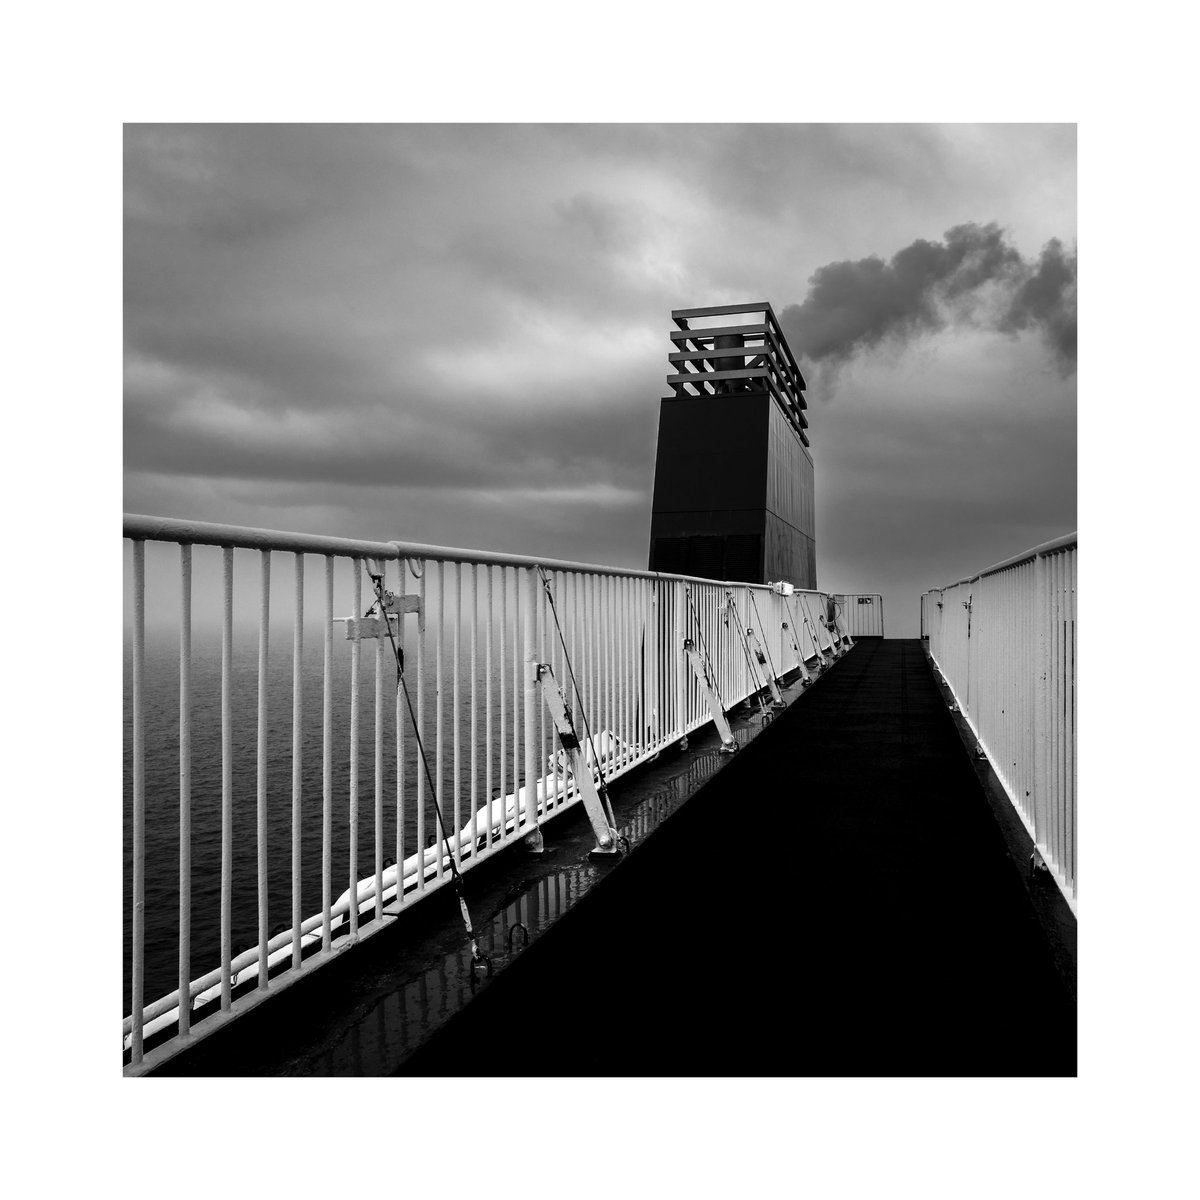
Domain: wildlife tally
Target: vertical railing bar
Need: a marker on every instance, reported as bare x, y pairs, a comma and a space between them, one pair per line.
1047, 833
439, 748
1061, 849
138, 914
594, 651
264, 635
516, 713
677, 636
552, 652
1074, 708
667, 628
613, 658
402, 626
502, 747
474, 711
654, 651
487, 703
419, 733
631, 587
610, 640
574, 644
530, 656
549, 654
380, 643
1060, 853
583, 660
1056, 721
352, 815
649, 689
539, 608
622, 727
614, 589
185, 788
627, 586
327, 762
226, 779
456, 733
297, 756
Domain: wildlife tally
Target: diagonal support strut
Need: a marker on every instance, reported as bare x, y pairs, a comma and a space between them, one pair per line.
728, 743
756, 646
599, 811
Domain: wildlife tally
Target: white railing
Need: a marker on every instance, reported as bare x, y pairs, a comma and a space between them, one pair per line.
1004, 640
228, 775
860, 614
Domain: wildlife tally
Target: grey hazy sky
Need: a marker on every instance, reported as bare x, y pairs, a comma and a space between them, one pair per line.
458, 334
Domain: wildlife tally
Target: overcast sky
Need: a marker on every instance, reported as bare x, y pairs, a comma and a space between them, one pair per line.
458, 334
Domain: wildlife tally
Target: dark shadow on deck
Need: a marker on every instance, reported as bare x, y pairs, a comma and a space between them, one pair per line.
839, 901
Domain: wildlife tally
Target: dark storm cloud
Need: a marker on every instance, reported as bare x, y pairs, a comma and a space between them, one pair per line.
1046, 300
975, 276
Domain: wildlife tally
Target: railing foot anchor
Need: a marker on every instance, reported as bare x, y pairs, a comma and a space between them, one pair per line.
729, 747
683, 743
534, 844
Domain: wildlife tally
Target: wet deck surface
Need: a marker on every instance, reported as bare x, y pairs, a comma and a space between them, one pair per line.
837, 901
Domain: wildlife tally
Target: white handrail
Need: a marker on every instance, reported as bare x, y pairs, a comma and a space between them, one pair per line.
1005, 642
624, 630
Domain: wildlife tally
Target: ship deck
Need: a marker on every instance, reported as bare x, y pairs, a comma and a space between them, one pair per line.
844, 896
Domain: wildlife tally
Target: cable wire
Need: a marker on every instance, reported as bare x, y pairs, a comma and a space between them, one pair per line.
765, 646
587, 728
402, 686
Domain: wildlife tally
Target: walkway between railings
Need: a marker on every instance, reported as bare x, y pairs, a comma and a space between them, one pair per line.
838, 902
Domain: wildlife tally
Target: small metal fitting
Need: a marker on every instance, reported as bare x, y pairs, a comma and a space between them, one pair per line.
481, 960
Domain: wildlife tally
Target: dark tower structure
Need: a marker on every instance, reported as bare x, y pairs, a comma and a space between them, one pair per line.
733, 477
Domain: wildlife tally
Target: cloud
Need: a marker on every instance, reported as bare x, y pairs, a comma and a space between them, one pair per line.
458, 333
1047, 300
974, 277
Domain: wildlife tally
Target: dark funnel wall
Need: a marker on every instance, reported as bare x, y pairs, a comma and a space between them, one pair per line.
733, 475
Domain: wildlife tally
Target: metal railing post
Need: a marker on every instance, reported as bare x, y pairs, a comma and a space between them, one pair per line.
139, 792
327, 761
352, 815
185, 786
297, 754
227, 782
1041, 699
264, 634
531, 658
676, 660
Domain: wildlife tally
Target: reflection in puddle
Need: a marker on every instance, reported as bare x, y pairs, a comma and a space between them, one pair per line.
394, 1025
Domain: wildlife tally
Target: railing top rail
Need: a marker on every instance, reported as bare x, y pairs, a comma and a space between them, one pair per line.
206, 533
1059, 543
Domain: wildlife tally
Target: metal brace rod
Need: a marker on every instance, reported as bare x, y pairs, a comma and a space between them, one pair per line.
599, 815
811, 626
731, 607
728, 743
789, 629
793, 632
842, 635
756, 646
